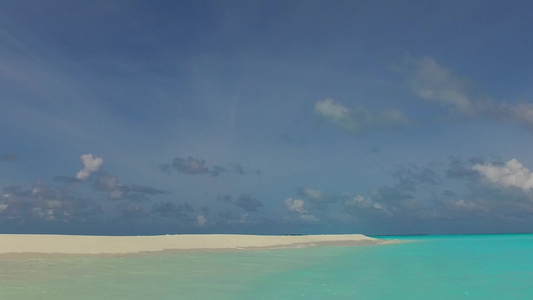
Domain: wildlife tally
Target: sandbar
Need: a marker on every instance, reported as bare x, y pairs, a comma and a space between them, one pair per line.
82, 244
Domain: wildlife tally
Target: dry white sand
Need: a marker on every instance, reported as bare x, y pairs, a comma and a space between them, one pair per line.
77, 244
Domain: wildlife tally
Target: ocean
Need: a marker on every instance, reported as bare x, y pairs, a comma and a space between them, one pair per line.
425, 267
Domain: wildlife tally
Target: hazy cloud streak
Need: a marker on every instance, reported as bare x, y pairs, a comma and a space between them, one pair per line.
435, 83
359, 120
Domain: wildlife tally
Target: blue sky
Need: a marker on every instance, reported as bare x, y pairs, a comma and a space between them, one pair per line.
376, 117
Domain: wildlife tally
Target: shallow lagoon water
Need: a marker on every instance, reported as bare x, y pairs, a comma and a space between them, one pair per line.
429, 267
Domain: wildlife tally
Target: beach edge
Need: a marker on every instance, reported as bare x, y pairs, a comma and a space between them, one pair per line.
87, 244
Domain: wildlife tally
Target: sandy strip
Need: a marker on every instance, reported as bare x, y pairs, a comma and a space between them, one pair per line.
77, 244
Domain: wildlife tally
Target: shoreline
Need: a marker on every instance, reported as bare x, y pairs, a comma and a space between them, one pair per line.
13, 244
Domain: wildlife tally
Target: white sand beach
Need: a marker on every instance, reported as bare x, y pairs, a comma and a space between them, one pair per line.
78, 244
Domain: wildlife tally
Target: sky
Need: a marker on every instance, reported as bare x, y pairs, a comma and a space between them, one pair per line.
266, 117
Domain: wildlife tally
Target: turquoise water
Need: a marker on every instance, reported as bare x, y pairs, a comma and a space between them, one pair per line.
431, 267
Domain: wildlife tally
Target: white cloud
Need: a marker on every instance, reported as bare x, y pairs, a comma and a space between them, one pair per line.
90, 164
512, 174
3, 206
360, 119
295, 205
335, 112
201, 220
362, 202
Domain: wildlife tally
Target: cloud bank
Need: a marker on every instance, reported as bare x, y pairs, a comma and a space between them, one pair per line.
46, 203
191, 165
248, 203
196, 166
